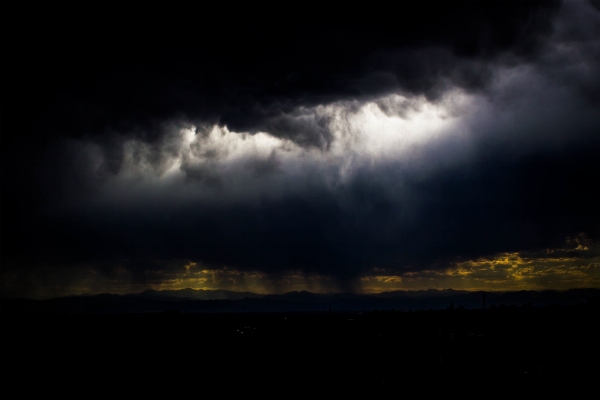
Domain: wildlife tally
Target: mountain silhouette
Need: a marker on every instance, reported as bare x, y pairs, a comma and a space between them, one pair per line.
219, 301
199, 294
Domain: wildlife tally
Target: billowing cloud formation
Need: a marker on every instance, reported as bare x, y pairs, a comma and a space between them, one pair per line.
324, 149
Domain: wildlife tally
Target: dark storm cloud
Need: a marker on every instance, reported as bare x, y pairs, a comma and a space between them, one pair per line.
248, 70
369, 222
92, 135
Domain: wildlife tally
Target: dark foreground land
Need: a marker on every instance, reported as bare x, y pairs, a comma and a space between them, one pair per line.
537, 346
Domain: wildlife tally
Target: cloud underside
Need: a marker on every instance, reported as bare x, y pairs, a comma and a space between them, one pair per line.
442, 161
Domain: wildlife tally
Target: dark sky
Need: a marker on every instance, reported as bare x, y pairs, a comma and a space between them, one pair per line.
371, 146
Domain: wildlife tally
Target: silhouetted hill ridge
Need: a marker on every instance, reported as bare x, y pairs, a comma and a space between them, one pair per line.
191, 300
199, 294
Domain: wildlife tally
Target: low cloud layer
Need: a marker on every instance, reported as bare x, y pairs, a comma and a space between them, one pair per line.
575, 264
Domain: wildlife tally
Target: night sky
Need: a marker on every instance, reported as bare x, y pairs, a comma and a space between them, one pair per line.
370, 147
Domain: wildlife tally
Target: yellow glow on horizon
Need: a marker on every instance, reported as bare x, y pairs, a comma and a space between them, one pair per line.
505, 271
576, 266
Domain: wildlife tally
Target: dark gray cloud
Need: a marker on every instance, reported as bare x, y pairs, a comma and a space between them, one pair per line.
332, 143
249, 68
